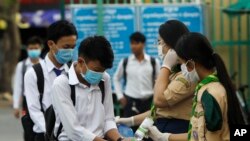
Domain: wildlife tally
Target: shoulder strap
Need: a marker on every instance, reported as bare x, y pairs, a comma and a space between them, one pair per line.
153, 62
101, 86
40, 82
24, 67
73, 98
125, 62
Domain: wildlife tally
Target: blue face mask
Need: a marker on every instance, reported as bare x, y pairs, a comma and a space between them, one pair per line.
34, 53
92, 77
63, 56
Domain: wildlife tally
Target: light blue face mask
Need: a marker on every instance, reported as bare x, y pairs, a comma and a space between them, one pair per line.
63, 56
34, 53
92, 77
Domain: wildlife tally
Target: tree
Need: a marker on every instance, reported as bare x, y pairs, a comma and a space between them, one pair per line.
9, 43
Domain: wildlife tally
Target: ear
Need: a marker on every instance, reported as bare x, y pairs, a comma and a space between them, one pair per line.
50, 43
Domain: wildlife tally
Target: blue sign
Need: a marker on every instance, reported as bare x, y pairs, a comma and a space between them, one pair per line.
118, 25
152, 16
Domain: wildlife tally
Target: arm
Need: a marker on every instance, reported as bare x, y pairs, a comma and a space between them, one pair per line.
160, 86
63, 106
117, 81
32, 98
17, 92
110, 128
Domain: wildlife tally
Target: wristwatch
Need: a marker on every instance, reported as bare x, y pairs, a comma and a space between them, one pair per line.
120, 139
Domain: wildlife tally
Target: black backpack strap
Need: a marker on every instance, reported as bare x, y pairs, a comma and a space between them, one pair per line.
73, 98
40, 82
125, 62
101, 86
153, 62
24, 67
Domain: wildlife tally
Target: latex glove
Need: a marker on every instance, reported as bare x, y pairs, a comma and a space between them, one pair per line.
127, 121
156, 135
170, 59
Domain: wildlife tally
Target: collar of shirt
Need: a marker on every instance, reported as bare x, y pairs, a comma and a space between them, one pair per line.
146, 57
73, 80
28, 61
50, 66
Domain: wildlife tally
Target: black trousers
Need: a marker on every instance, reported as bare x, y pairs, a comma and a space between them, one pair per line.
39, 137
174, 126
136, 106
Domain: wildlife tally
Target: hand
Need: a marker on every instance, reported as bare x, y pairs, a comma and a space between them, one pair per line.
156, 135
98, 139
127, 121
123, 101
170, 59
17, 113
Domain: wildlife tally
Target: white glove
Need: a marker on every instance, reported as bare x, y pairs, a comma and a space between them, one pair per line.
170, 59
156, 135
127, 121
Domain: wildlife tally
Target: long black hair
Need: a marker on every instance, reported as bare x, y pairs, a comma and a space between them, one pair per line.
196, 46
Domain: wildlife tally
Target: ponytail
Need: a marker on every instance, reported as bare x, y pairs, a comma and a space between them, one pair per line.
234, 112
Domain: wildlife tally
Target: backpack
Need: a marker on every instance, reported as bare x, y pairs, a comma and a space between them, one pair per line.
125, 62
26, 120
50, 118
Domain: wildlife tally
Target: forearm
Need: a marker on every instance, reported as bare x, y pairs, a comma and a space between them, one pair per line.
178, 137
160, 86
138, 119
113, 135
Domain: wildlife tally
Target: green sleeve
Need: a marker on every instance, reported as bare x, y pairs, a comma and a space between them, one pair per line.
212, 112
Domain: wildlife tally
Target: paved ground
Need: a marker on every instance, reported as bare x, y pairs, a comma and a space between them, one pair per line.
10, 128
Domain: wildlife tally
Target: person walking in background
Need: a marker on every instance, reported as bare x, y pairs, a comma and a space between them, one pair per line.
34, 47
139, 72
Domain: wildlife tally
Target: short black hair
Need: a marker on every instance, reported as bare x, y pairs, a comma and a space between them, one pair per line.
97, 48
171, 31
137, 37
59, 29
34, 40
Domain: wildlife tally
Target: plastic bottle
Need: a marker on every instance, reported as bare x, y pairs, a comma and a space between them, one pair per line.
143, 128
125, 131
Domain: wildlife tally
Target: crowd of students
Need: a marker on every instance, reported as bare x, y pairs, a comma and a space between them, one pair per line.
189, 95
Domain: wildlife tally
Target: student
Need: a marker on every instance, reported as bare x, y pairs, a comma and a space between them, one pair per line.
91, 116
215, 106
173, 93
139, 72
34, 47
62, 37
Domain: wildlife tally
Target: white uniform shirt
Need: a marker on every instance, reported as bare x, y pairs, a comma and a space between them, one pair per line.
18, 81
32, 93
139, 83
90, 117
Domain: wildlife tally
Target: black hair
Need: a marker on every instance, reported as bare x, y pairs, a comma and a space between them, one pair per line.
171, 31
195, 46
58, 30
97, 48
137, 37
34, 40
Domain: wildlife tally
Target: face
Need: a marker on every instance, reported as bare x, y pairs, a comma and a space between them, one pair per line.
34, 47
188, 70
136, 47
66, 42
190, 64
162, 47
93, 65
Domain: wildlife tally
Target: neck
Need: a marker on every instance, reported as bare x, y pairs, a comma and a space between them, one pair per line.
79, 76
53, 60
204, 73
139, 56
34, 60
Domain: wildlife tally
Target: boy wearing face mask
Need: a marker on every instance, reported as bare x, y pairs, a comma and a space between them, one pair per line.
86, 115
62, 37
34, 47
173, 93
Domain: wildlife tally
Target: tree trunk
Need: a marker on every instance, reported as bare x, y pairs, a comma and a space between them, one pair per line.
9, 44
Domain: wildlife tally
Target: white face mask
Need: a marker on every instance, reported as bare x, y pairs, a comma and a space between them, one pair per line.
190, 76
160, 53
